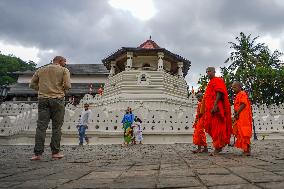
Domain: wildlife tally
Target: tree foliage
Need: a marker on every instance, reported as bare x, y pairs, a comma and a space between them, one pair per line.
203, 81
256, 68
10, 64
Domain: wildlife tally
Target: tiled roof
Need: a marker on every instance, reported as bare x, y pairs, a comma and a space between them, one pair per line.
77, 69
87, 69
149, 44
20, 89
148, 47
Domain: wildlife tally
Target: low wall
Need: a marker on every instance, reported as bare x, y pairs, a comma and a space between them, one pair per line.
163, 122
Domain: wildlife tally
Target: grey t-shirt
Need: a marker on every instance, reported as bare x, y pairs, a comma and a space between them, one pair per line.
84, 119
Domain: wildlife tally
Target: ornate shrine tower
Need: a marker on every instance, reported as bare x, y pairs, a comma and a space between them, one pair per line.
146, 73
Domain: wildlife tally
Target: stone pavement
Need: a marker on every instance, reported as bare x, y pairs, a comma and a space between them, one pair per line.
144, 166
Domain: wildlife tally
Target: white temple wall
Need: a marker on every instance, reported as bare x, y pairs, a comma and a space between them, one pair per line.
157, 82
160, 119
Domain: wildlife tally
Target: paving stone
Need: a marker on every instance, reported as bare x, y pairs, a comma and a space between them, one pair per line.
262, 177
212, 180
274, 167
245, 169
42, 183
9, 184
272, 185
93, 183
135, 182
133, 173
185, 172
279, 173
144, 166
238, 186
213, 171
102, 175
178, 182
2, 175
69, 174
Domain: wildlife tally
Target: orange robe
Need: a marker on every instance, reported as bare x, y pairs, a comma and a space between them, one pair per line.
199, 137
219, 124
243, 125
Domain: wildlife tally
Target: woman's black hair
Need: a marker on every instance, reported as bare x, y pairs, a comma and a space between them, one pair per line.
138, 119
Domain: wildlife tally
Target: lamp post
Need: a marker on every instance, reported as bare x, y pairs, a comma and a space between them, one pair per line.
3, 92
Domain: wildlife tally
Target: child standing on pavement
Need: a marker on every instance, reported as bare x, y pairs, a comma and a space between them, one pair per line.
138, 129
83, 124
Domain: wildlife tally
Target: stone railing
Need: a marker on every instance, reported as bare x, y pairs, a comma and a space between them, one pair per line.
268, 119
15, 118
169, 117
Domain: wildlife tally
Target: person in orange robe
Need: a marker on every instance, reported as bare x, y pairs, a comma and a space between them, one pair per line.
199, 137
242, 119
217, 116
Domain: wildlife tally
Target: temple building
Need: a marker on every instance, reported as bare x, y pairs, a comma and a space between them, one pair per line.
147, 72
85, 79
149, 79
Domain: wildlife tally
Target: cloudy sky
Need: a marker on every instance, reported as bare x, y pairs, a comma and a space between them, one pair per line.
90, 30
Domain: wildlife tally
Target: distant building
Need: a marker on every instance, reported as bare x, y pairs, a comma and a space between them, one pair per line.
85, 78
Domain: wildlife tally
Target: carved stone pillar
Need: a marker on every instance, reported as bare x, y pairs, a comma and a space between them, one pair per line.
180, 66
129, 61
112, 68
160, 61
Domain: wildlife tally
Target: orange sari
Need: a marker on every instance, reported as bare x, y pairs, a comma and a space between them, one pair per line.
219, 124
243, 125
199, 137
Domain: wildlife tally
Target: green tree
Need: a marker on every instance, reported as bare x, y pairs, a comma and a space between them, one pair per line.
202, 81
257, 68
10, 64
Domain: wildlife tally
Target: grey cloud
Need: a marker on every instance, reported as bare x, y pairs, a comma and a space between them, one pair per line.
201, 30
83, 31
88, 31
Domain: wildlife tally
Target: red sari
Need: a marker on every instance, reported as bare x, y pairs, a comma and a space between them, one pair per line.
199, 137
243, 125
219, 124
